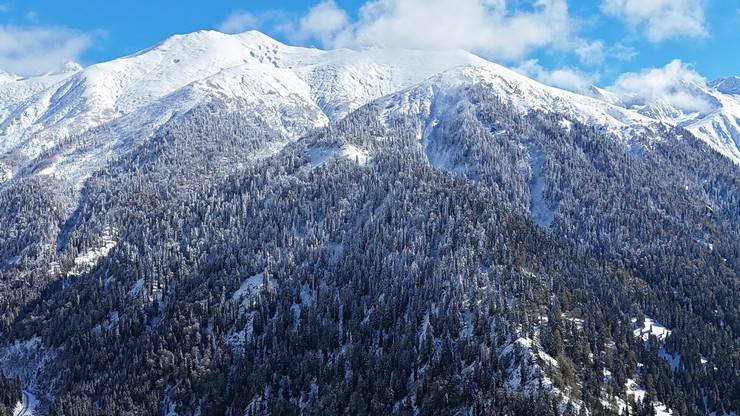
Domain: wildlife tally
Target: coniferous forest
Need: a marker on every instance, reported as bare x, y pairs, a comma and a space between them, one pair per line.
505, 264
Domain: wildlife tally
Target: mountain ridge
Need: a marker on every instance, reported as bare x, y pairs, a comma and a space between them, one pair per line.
206, 65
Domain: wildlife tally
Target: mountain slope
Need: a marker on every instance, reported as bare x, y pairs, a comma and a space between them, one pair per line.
442, 93
296, 231
137, 94
713, 116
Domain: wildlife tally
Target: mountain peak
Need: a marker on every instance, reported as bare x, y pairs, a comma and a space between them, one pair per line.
212, 38
258, 36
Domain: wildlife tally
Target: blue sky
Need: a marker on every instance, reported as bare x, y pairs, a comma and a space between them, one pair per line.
556, 41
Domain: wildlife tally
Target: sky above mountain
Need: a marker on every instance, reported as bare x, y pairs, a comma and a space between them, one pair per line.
565, 43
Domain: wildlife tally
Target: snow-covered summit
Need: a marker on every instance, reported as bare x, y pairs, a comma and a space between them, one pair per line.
292, 89
183, 71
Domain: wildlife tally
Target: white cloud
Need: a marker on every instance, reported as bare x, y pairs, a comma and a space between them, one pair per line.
238, 22
660, 19
671, 84
323, 21
590, 53
566, 78
622, 52
485, 26
37, 50
596, 52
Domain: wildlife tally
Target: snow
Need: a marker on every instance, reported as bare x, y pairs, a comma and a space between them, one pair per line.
539, 207
320, 156
578, 322
527, 346
565, 124
26, 360
729, 85
533, 366
88, 258
27, 406
718, 125
674, 360
345, 79
249, 290
721, 127
648, 328
293, 89
522, 93
607, 376
449, 93
638, 392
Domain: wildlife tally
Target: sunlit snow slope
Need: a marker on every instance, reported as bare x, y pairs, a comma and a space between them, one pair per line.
290, 89
186, 70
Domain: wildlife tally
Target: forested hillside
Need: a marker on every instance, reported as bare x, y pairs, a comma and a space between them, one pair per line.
441, 250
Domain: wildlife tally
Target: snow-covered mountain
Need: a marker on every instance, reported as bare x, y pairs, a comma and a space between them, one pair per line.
292, 89
711, 111
138, 93
444, 92
720, 127
412, 232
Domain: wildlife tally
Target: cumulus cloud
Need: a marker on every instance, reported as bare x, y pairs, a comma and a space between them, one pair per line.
673, 84
324, 21
596, 52
566, 78
238, 22
660, 19
622, 52
590, 53
37, 50
490, 27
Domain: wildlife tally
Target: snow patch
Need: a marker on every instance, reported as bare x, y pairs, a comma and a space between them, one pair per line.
319, 156
88, 258
566, 124
638, 393
525, 372
650, 327
27, 406
608, 377
674, 360
539, 207
249, 290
